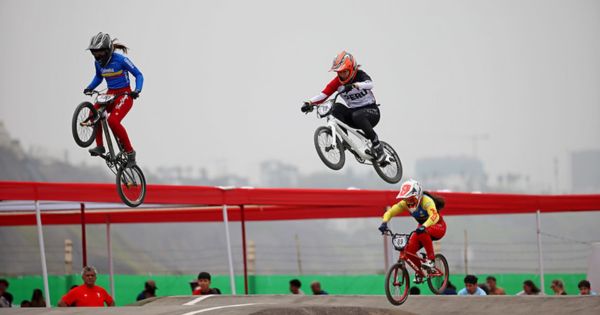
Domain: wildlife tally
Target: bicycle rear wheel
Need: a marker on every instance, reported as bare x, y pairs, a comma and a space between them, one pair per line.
84, 135
397, 283
391, 169
334, 158
131, 185
439, 279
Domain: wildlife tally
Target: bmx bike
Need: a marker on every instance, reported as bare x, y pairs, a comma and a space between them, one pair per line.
333, 140
131, 183
397, 279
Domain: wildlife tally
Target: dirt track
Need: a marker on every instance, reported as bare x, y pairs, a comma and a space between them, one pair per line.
342, 305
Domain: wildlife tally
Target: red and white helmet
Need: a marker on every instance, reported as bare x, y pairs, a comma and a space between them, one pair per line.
345, 61
409, 189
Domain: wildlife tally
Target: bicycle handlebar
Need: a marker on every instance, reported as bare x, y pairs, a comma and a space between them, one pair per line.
390, 233
99, 93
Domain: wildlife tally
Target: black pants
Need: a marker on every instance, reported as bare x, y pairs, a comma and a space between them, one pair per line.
363, 118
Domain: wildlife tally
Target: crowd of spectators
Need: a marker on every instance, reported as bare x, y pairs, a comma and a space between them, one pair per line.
90, 294
490, 287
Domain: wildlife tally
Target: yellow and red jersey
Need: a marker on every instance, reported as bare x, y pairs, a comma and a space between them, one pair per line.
426, 213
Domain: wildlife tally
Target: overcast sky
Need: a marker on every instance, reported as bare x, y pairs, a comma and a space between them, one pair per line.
224, 80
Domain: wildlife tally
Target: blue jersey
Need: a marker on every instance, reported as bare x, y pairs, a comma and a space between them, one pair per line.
116, 73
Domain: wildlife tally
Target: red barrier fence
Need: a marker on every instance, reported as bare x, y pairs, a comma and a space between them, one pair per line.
261, 203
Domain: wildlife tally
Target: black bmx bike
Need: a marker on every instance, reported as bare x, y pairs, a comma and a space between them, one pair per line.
397, 279
131, 183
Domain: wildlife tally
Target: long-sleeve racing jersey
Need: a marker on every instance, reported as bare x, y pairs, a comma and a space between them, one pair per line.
116, 73
361, 95
426, 213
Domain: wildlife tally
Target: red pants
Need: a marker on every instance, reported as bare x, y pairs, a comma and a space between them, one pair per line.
416, 241
116, 112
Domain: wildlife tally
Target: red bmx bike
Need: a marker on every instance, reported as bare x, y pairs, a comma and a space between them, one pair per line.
397, 280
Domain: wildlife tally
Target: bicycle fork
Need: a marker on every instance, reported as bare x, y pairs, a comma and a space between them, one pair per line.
333, 134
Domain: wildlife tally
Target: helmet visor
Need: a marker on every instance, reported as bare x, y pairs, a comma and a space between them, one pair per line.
101, 55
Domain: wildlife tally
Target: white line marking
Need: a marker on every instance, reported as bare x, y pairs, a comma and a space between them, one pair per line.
196, 300
218, 308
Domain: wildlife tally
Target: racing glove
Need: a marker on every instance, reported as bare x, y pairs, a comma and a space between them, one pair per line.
383, 227
348, 88
420, 229
134, 94
87, 91
306, 107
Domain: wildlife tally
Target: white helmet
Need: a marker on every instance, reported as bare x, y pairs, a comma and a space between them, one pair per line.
411, 188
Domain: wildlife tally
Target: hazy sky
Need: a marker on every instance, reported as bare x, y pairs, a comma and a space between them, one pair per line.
224, 80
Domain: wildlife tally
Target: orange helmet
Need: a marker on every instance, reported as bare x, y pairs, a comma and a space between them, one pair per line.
345, 61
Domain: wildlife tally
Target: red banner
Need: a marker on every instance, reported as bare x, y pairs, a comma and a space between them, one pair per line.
261, 204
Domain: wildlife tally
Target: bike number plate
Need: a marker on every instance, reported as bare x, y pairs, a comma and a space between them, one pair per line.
399, 241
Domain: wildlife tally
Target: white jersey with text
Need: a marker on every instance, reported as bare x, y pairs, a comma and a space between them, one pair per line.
361, 95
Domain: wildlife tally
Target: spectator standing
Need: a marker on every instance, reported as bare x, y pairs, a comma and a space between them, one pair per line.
450, 289
6, 298
315, 286
529, 288
149, 291
37, 299
471, 287
25, 303
558, 287
203, 287
87, 294
493, 288
295, 285
484, 287
585, 288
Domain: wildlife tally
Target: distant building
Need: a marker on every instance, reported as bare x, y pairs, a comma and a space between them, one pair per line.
585, 171
274, 173
10, 144
453, 173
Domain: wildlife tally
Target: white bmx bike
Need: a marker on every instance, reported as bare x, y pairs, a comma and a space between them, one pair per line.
332, 151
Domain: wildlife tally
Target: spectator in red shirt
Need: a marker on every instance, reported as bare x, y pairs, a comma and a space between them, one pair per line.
87, 294
203, 287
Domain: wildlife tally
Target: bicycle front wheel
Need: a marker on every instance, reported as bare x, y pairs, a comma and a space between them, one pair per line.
83, 133
131, 185
331, 156
389, 170
397, 283
438, 278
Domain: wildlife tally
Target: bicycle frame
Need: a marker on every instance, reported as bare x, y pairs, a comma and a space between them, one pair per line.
107, 134
336, 131
404, 258
336, 125
110, 157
